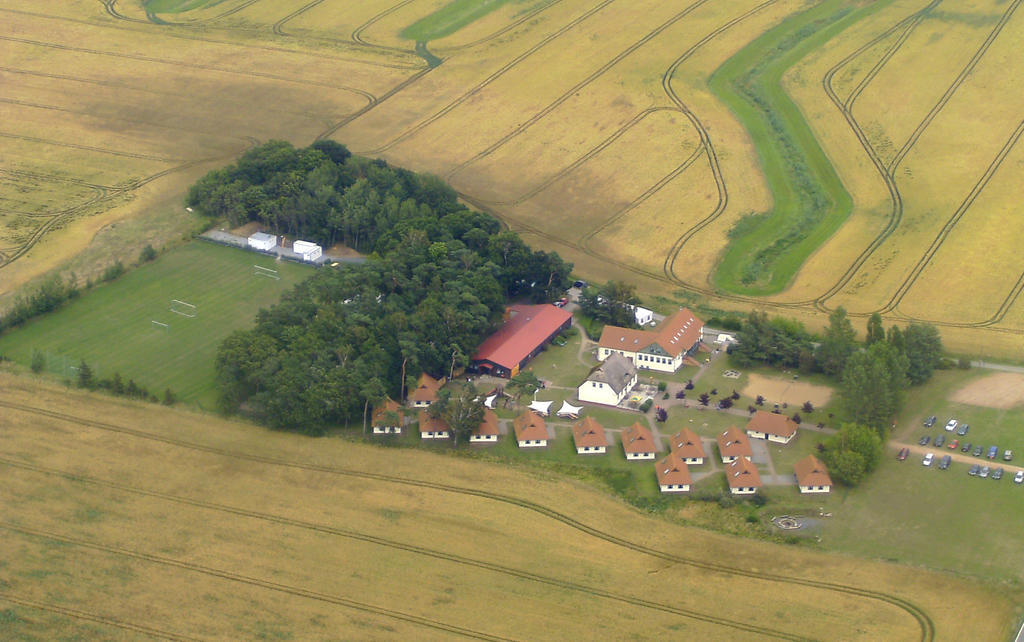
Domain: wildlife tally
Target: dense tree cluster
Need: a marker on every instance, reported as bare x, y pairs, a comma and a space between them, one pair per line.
778, 342
342, 340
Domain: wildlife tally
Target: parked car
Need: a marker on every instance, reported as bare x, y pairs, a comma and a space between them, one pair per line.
944, 462
951, 425
930, 421
966, 447
902, 455
927, 461
975, 469
1008, 455
977, 451
953, 445
923, 441
984, 471
941, 439
993, 451
1019, 477
997, 474
579, 284
962, 430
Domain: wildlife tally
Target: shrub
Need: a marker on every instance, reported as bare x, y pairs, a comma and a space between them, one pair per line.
689, 384
725, 402
664, 396
758, 499
661, 414
147, 254
759, 401
645, 406
752, 517
963, 364
808, 407
38, 361
735, 396
113, 271
681, 394
662, 386
797, 419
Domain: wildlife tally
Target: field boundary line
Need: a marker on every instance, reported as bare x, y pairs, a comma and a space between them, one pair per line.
410, 548
89, 148
92, 617
925, 622
252, 581
565, 96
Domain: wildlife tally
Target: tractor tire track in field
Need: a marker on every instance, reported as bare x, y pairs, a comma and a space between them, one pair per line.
889, 170
712, 155
147, 123
238, 578
409, 548
568, 169
278, 27
357, 34
603, 69
924, 621
88, 148
958, 214
92, 617
526, 17
651, 191
418, 127
376, 102
845, 107
187, 65
155, 19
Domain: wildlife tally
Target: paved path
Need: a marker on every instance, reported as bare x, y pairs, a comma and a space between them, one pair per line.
997, 366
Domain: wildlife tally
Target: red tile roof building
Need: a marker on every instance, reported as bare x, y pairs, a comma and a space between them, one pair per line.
426, 391
531, 431
773, 427
384, 422
638, 442
733, 444
487, 432
743, 477
433, 427
812, 476
673, 474
687, 445
589, 437
663, 349
526, 330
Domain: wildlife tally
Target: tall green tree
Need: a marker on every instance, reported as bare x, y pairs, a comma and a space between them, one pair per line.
923, 347
838, 343
875, 332
872, 386
612, 303
462, 411
85, 377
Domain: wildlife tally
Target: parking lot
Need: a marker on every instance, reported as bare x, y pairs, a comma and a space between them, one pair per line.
956, 440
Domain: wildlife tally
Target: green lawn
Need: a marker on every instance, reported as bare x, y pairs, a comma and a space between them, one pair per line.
559, 365
111, 326
177, 6
450, 18
765, 251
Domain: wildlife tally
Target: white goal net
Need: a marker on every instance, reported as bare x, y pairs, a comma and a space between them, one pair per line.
183, 308
265, 272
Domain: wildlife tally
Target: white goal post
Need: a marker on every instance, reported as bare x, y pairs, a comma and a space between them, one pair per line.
258, 270
162, 326
183, 308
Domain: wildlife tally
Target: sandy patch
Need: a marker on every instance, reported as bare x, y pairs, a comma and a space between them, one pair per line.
1003, 390
787, 391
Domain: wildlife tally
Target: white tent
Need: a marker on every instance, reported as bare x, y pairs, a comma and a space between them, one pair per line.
569, 410
489, 402
543, 407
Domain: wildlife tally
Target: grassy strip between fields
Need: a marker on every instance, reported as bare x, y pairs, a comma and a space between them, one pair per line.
766, 250
449, 19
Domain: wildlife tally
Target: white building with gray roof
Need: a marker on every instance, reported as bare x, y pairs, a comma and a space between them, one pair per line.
609, 382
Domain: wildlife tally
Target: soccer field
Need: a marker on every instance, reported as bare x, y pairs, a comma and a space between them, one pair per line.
112, 327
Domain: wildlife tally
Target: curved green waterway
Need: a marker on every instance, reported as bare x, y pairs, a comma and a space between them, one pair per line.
766, 250
450, 18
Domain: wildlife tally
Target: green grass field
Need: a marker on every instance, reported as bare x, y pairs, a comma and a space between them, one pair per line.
449, 19
177, 6
111, 327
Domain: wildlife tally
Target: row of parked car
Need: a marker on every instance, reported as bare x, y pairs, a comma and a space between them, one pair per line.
975, 470
961, 429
